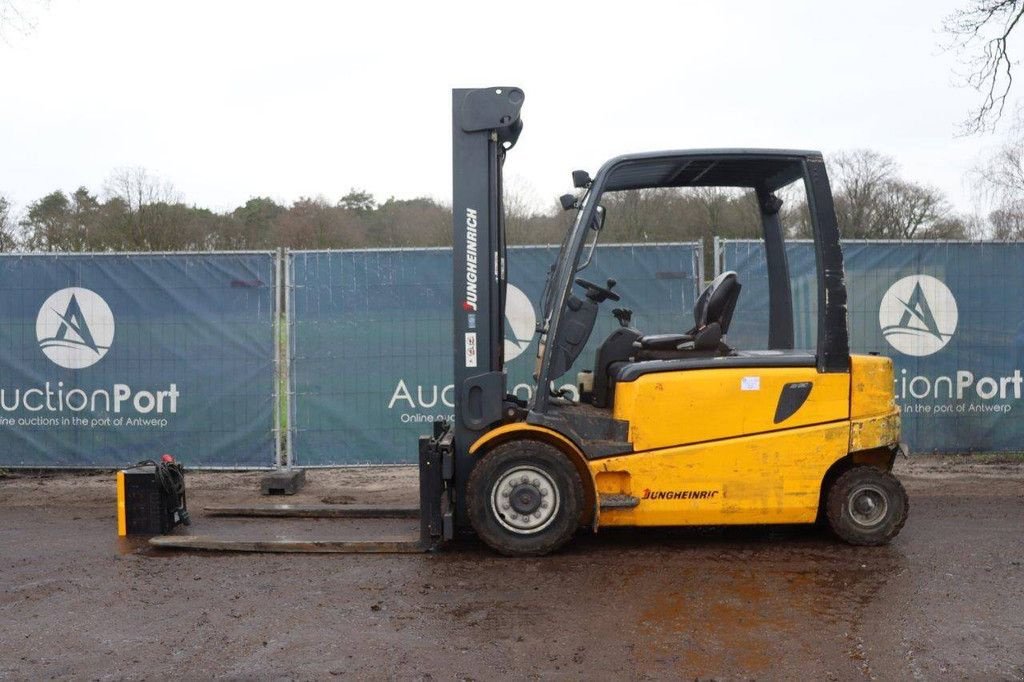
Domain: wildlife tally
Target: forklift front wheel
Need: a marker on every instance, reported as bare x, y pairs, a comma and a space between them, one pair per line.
867, 506
524, 498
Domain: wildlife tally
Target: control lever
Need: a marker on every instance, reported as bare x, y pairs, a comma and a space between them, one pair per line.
596, 293
561, 392
623, 315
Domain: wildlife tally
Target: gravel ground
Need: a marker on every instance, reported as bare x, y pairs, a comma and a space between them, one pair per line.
946, 599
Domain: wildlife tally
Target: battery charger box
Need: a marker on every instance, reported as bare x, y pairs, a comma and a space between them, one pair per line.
144, 506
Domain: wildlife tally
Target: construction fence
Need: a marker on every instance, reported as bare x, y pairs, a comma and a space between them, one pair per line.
949, 314
329, 358
370, 340
107, 359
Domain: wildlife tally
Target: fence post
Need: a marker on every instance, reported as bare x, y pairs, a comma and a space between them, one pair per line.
698, 256
289, 291
285, 479
277, 360
717, 256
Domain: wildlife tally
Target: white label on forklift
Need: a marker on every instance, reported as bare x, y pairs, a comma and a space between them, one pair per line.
750, 384
470, 349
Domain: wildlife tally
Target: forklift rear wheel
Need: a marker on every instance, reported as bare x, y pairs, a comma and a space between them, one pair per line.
524, 498
867, 506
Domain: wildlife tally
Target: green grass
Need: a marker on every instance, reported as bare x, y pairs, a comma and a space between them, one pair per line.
282, 382
282, 386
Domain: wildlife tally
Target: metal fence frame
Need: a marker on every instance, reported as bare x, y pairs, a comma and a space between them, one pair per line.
278, 259
283, 326
290, 460
720, 242
942, 437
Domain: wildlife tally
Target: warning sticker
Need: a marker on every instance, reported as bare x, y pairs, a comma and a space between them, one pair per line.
470, 349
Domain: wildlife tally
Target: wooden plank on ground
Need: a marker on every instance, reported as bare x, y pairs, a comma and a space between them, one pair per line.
210, 543
314, 511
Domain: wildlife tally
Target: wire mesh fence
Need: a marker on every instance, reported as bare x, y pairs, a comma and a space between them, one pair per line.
110, 358
370, 357
106, 359
950, 314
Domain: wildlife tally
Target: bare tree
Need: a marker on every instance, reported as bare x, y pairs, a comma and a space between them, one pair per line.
413, 222
517, 213
861, 177
727, 212
981, 32
1007, 221
1000, 178
872, 201
137, 188
909, 211
653, 214
18, 16
7, 235
999, 183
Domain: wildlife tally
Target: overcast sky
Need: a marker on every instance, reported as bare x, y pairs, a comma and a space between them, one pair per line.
228, 100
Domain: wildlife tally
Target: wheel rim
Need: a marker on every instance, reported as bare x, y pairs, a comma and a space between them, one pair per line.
868, 505
525, 500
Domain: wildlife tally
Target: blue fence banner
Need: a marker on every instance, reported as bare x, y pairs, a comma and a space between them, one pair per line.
106, 360
370, 343
950, 314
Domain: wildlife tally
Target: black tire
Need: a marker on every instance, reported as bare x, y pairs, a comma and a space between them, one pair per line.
498, 516
867, 506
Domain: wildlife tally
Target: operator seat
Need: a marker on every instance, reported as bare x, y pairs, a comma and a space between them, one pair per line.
711, 315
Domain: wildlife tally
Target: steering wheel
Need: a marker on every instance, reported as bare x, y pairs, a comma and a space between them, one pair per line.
598, 293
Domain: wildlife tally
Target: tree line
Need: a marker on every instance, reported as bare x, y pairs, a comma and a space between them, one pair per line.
136, 211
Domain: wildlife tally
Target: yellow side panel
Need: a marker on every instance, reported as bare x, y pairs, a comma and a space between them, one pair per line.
871, 389
521, 429
122, 521
875, 432
680, 408
768, 478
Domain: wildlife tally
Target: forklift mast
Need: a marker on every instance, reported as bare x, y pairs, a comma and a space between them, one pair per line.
485, 125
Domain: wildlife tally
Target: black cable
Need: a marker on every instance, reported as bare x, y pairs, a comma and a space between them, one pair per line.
169, 475
171, 478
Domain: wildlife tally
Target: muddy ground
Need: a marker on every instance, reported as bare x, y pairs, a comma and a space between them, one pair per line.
946, 599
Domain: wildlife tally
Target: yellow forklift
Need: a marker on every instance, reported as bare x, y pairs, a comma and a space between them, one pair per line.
670, 429
676, 429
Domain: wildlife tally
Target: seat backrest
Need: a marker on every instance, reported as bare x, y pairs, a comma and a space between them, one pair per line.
717, 302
